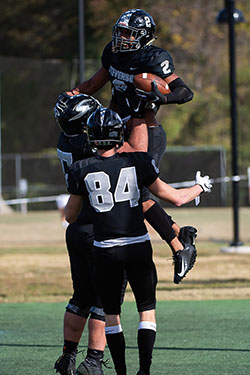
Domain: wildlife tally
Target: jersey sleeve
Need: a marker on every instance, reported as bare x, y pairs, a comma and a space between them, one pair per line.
147, 171
152, 171
74, 181
162, 63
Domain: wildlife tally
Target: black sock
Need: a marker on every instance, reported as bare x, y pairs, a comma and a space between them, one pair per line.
161, 222
116, 344
145, 339
95, 354
69, 346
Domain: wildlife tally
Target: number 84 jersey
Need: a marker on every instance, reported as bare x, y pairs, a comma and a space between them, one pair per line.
113, 188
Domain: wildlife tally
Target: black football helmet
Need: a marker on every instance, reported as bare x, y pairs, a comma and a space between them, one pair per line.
139, 25
105, 129
72, 112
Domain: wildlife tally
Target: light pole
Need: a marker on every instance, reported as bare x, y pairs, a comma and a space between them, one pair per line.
232, 16
81, 39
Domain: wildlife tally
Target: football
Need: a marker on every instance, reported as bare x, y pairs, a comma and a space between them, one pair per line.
143, 81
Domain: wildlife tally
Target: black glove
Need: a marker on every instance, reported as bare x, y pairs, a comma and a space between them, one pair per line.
154, 95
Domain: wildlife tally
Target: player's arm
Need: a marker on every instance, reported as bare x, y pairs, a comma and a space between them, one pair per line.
73, 208
138, 138
178, 197
92, 85
179, 92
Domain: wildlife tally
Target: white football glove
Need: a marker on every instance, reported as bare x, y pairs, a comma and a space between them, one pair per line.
204, 182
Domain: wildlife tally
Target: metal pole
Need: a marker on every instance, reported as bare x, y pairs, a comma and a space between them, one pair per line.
230, 11
0, 136
81, 39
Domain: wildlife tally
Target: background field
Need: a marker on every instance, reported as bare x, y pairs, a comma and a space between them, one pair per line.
34, 263
203, 324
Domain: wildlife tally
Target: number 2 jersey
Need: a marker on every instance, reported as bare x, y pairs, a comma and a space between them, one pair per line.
113, 188
122, 68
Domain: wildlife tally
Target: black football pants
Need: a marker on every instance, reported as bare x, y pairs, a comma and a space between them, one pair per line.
79, 240
136, 260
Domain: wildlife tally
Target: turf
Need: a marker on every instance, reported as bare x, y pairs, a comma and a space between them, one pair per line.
193, 338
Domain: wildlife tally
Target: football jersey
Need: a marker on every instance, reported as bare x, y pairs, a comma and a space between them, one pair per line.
69, 150
122, 68
113, 188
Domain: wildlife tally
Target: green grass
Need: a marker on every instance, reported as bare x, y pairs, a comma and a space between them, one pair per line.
193, 338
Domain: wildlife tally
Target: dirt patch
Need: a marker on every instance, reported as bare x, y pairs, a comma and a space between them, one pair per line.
44, 277
34, 264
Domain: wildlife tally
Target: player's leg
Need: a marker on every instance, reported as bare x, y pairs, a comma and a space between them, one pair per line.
142, 276
162, 223
92, 365
180, 240
184, 260
79, 243
116, 342
157, 143
153, 212
145, 340
110, 276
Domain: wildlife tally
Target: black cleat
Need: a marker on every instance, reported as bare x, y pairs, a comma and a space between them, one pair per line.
66, 364
90, 366
184, 259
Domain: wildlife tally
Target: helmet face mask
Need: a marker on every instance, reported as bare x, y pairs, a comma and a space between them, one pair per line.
72, 112
105, 129
133, 30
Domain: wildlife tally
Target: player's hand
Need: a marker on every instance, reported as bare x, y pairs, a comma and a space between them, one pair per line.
154, 95
63, 96
204, 182
62, 102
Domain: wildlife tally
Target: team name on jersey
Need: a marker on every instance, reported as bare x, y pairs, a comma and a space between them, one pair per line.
121, 75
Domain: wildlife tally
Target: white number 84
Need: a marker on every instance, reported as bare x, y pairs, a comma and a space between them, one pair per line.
98, 186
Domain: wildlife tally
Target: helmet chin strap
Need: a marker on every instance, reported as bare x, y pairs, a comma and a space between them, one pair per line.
151, 41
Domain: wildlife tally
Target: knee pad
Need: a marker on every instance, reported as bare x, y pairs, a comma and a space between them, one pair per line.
73, 309
97, 313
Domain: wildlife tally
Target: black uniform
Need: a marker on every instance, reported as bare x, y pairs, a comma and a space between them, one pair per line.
122, 68
113, 187
79, 235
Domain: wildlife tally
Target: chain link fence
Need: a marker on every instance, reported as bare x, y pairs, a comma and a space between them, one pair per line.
32, 175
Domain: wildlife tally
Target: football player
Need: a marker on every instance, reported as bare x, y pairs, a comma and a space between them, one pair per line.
111, 183
71, 114
129, 53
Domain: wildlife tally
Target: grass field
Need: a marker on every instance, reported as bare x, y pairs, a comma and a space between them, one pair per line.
203, 324
193, 338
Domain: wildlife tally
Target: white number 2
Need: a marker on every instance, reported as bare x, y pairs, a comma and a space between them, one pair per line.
147, 21
98, 186
165, 67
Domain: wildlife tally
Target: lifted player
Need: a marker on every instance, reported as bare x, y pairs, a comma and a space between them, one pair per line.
111, 183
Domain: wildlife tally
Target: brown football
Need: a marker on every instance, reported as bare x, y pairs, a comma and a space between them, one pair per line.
143, 81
